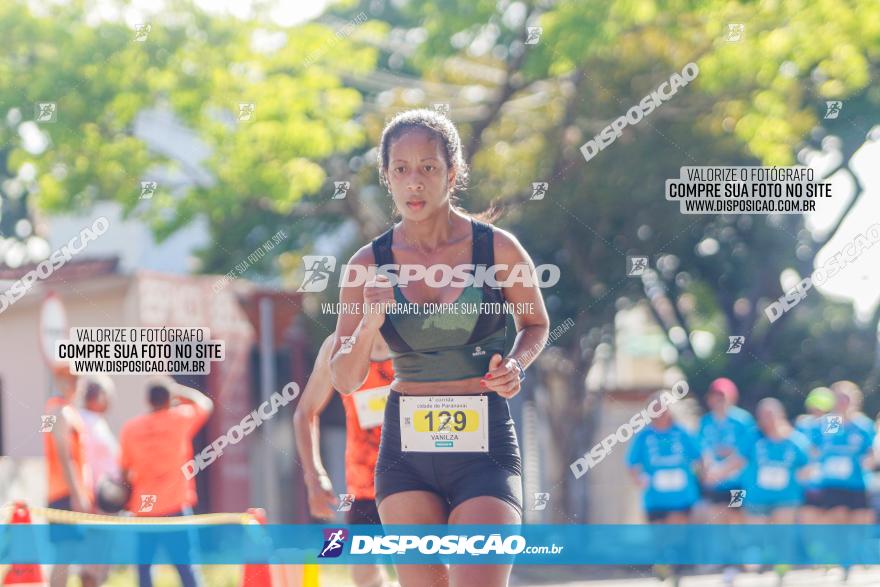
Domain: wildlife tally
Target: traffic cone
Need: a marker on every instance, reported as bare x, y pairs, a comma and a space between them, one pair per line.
23, 573
256, 575
277, 575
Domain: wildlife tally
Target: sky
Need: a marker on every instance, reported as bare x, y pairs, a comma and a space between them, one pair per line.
284, 13
860, 280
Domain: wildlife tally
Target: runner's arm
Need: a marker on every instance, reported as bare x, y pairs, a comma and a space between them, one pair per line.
349, 370
193, 395
530, 316
61, 431
316, 395
726, 468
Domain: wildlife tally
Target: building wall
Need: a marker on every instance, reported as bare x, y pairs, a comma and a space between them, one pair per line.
144, 299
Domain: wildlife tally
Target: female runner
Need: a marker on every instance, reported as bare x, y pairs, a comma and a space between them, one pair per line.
449, 452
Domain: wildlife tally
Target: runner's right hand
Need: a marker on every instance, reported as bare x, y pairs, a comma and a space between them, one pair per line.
378, 294
322, 499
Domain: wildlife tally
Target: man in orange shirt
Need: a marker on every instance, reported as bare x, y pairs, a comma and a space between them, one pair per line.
154, 448
63, 440
364, 410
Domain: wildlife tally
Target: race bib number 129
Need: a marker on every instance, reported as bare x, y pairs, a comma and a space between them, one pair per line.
444, 424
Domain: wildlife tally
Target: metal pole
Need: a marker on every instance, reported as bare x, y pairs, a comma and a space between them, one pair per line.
268, 478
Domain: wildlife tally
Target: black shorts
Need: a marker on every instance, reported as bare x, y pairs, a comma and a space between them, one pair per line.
716, 495
854, 499
661, 515
363, 511
813, 498
455, 477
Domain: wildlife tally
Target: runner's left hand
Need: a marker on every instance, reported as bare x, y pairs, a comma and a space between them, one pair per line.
503, 377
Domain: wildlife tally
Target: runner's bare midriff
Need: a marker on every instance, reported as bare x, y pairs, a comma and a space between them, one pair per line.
469, 386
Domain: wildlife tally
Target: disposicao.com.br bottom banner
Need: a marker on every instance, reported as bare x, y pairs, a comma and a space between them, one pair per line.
419, 544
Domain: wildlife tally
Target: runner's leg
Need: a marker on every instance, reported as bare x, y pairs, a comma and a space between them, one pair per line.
416, 507
482, 510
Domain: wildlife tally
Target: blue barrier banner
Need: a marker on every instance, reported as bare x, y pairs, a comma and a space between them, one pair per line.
544, 544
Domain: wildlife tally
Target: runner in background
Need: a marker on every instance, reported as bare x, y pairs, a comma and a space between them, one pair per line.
819, 402
874, 478
662, 460
101, 447
727, 434
155, 447
777, 462
63, 438
845, 444
364, 411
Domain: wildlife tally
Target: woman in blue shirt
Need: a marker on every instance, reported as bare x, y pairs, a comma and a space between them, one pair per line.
844, 443
777, 466
727, 434
662, 459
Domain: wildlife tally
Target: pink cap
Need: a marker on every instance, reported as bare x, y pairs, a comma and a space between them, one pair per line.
725, 387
